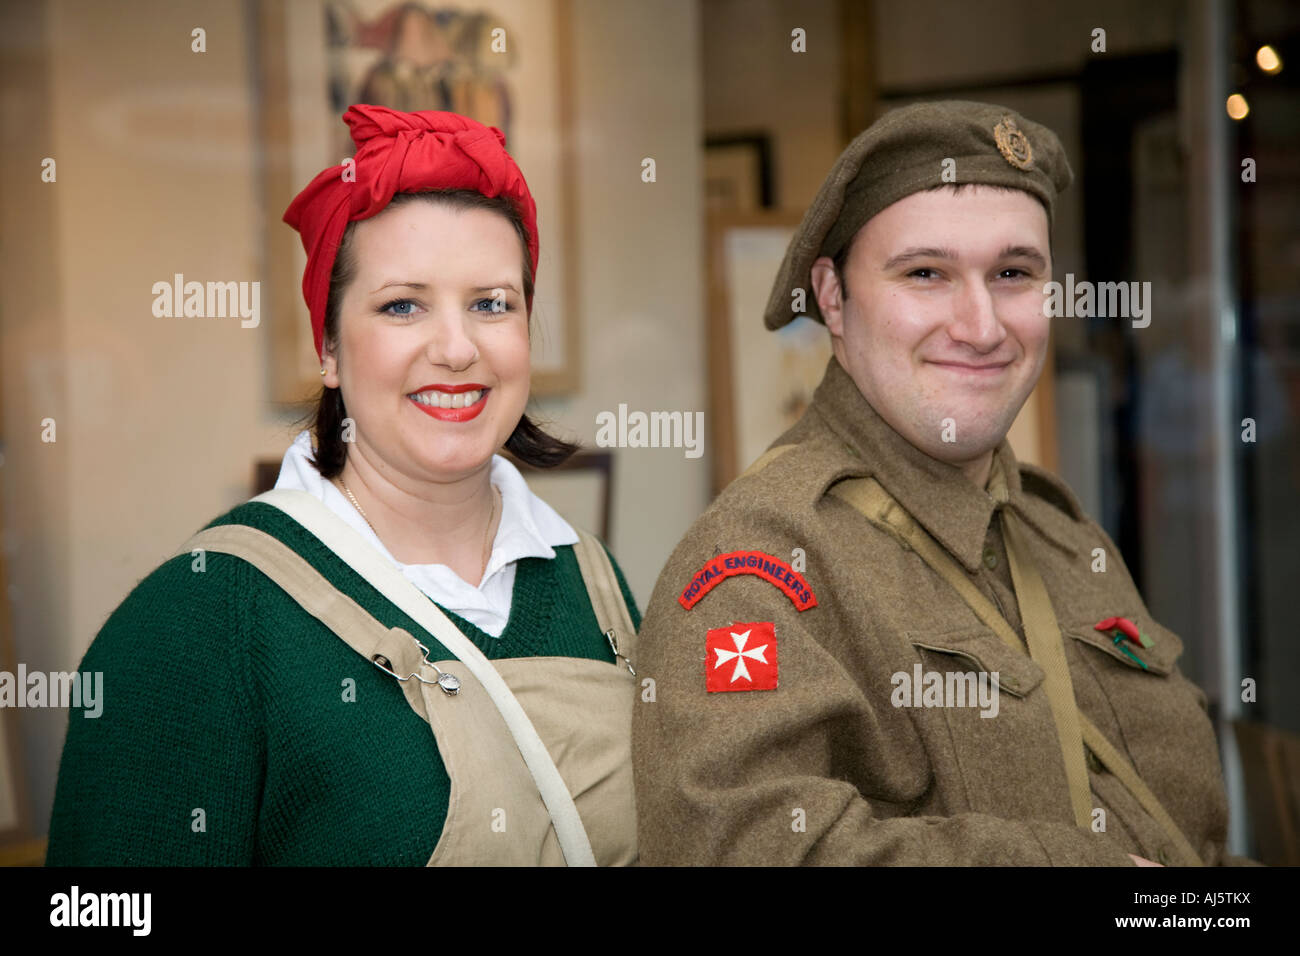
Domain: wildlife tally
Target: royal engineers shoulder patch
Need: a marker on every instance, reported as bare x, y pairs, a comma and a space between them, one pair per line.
770, 569
1013, 144
740, 657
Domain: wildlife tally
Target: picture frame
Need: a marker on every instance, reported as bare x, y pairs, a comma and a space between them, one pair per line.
743, 255
578, 489
738, 174
309, 51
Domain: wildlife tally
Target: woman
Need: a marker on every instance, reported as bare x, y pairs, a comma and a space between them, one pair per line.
271, 690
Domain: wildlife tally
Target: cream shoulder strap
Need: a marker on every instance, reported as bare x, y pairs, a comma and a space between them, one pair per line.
606, 597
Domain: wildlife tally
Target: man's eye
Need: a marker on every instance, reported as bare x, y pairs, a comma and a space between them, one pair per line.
490, 305
922, 273
1013, 273
399, 307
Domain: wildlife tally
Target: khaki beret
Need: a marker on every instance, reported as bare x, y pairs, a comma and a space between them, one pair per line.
901, 153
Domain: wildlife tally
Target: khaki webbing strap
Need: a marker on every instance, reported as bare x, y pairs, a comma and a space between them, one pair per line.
606, 596
1043, 635
1127, 775
765, 459
867, 496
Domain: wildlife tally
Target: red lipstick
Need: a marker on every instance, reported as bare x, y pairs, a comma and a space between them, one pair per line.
463, 414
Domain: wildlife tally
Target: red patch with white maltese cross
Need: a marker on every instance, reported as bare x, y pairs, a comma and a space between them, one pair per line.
740, 657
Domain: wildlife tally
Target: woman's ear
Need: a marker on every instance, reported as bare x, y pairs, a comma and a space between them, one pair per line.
329, 366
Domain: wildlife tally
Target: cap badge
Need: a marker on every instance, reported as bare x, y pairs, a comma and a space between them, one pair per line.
1013, 144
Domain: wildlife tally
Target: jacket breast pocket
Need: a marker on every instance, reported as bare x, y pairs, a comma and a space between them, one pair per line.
998, 753
1146, 695
1158, 659
1153, 715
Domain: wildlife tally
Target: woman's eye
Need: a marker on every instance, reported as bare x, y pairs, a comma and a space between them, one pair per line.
399, 307
490, 305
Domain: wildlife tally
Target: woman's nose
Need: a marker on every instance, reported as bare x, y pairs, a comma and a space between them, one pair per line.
451, 344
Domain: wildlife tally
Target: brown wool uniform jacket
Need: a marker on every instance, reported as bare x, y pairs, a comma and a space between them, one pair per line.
824, 769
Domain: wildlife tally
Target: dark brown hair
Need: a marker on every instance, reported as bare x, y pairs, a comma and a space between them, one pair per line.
528, 442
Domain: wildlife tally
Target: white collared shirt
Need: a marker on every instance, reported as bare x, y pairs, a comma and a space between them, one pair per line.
529, 528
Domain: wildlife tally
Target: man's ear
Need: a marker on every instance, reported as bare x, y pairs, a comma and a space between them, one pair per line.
826, 289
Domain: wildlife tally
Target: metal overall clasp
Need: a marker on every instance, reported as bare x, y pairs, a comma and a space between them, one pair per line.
448, 683
613, 646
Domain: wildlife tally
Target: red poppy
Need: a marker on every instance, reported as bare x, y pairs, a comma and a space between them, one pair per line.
1127, 627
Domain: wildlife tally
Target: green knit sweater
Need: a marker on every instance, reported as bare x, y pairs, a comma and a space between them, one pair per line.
222, 695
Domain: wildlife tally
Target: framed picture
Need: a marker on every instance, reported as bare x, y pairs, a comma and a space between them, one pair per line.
738, 173
502, 62
760, 382
578, 489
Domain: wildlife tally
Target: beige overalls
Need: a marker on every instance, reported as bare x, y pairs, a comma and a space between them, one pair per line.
581, 710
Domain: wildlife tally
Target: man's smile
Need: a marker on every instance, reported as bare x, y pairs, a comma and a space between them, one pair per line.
976, 370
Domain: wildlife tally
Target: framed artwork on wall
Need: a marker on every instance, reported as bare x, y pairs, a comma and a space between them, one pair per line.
738, 173
579, 489
760, 382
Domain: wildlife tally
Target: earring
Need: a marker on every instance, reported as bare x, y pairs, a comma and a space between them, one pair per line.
322, 371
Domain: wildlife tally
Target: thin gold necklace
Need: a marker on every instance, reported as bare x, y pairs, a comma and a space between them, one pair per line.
487, 534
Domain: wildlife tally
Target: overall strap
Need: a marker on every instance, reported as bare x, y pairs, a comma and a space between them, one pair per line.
355, 551
868, 497
353, 624
606, 596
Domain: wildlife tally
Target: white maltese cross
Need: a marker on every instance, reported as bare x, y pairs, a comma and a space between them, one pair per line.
754, 654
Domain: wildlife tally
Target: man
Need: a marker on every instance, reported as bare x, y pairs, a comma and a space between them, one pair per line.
888, 642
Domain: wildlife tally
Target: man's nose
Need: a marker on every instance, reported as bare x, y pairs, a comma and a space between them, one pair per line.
975, 320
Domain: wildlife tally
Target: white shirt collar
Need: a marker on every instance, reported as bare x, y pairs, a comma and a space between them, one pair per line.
529, 528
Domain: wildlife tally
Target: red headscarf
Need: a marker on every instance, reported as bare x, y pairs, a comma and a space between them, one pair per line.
400, 152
